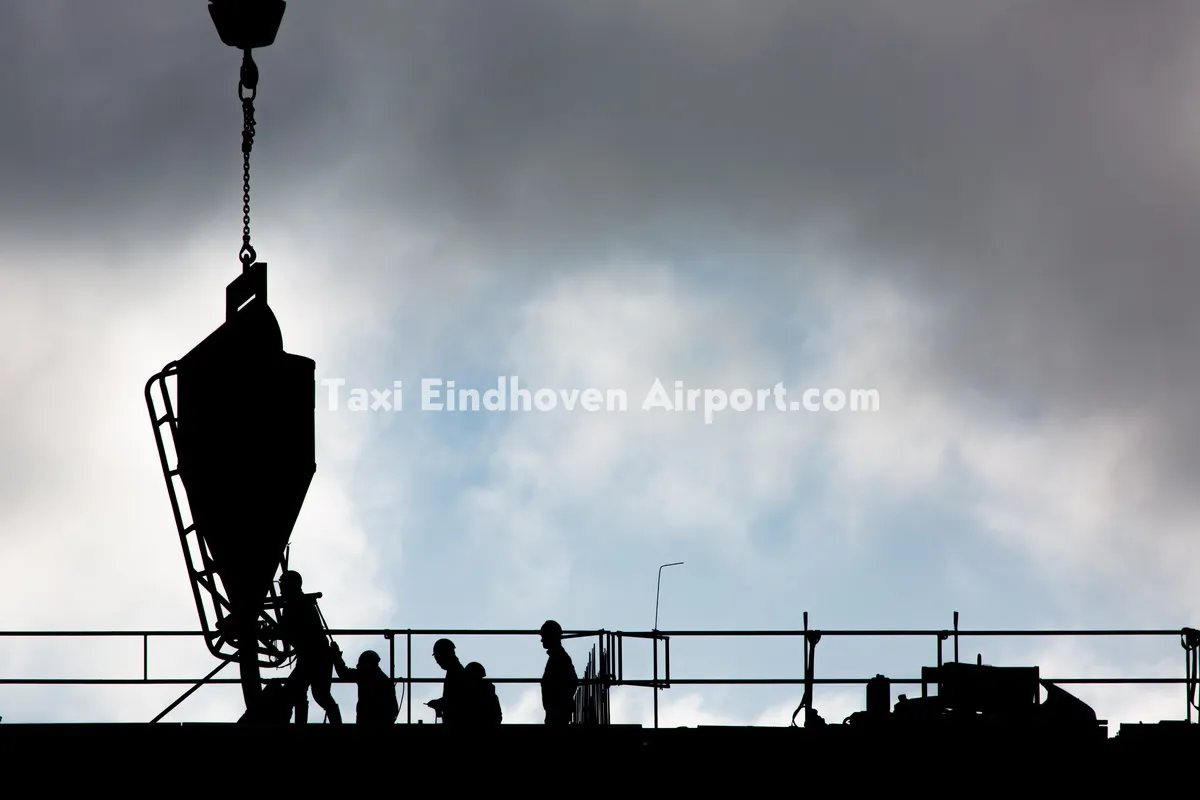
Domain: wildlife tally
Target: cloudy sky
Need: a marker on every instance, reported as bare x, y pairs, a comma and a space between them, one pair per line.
984, 211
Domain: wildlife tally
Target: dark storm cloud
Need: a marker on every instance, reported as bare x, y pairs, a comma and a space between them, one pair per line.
1030, 166
123, 115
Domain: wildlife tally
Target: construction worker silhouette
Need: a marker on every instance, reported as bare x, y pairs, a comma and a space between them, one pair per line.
559, 681
303, 631
376, 691
482, 703
455, 693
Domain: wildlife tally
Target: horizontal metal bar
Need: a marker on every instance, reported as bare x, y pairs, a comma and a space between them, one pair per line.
932, 632
620, 635
188, 681
452, 632
94, 634
636, 634
864, 681
332, 631
528, 681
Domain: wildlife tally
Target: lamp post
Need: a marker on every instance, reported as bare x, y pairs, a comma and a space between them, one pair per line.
658, 591
657, 595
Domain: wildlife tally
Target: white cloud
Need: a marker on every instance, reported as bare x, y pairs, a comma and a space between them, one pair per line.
1074, 496
527, 710
88, 539
653, 473
1070, 496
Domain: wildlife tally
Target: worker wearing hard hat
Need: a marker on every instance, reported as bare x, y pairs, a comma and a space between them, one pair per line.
376, 691
305, 633
450, 706
559, 681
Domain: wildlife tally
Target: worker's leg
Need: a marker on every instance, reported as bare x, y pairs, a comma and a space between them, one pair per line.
297, 689
322, 680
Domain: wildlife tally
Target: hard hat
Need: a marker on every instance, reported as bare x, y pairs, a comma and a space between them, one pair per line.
443, 646
368, 657
551, 628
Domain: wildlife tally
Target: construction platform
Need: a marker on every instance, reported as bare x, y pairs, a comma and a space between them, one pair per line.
643, 756
910, 739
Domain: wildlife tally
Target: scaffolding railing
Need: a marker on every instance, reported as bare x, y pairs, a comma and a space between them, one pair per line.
605, 667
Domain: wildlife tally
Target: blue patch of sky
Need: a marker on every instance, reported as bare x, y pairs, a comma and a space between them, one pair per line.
903, 580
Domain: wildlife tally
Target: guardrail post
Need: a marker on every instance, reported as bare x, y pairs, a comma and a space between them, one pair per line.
804, 643
956, 637
145, 656
408, 674
1191, 670
1188, 659
655, 639
667, 659
608, 677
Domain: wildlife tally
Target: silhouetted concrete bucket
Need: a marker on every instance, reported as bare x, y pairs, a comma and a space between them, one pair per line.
245, 442
242, 424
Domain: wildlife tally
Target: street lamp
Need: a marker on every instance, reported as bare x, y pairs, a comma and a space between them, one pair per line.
658, 591
657, 594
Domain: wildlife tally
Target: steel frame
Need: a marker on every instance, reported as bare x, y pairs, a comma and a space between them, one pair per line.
204, 579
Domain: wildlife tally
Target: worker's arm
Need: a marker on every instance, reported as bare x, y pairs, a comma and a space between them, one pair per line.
344, 672
339, 664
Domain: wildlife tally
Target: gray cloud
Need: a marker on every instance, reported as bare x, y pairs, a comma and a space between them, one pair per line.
123, 118
1027, 167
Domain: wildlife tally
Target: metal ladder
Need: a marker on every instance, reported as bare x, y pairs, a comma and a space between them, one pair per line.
204, 577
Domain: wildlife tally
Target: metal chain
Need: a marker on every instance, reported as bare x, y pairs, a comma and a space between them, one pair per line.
247, 90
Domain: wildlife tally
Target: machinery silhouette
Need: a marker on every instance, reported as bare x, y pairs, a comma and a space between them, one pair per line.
241, 427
